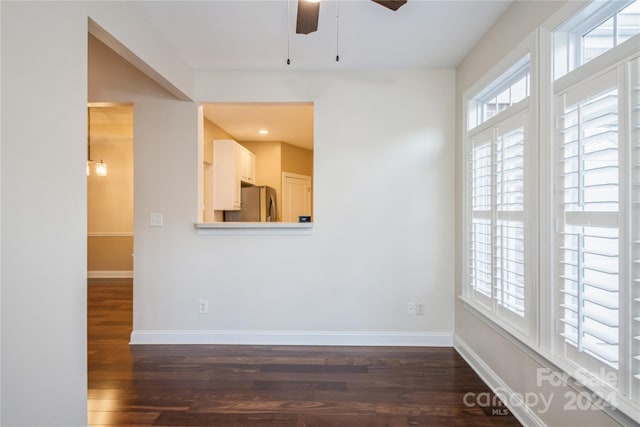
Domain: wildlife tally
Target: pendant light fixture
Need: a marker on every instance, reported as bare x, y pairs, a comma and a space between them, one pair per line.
101, 167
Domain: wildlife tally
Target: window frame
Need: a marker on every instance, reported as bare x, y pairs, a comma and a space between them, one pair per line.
512, 75
611, 60
501, 76
567, 37
583, 357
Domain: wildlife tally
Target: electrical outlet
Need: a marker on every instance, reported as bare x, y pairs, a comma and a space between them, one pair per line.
420, 309
203, 306
411, 309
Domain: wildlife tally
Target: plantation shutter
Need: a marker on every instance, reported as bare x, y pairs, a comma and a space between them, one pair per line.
509, 222
588, 205
635, 223
481, 171
496, 233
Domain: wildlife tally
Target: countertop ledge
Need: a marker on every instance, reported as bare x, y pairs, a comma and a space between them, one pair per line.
260, 228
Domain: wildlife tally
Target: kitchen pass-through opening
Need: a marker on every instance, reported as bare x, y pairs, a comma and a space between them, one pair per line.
257, 162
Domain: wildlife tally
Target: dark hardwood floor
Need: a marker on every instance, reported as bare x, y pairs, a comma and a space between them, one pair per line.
215, 385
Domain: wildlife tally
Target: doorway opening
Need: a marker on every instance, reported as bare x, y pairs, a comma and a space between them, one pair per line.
110, 194
109, 245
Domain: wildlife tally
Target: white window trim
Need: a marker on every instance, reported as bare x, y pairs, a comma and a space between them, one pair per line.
607, 60
520, 69
615, 59
542, 105
548, 89
547, 297
528, 332
523, 48
576, 22
607, 78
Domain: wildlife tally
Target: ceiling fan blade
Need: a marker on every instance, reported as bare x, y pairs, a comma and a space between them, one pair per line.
391, 4
308, 13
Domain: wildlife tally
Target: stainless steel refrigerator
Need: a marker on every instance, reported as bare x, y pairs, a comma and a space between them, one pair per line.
258, 204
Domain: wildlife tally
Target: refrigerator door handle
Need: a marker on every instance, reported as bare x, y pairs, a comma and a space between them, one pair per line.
272, 208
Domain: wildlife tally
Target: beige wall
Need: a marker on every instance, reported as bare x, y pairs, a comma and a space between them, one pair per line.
212, 131
110, 198
297, 160
109, 254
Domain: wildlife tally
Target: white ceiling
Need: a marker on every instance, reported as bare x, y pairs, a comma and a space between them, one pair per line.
252, 35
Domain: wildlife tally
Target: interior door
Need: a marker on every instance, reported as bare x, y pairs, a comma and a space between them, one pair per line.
296, 196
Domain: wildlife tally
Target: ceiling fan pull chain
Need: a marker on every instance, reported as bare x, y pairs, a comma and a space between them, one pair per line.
337, 30
288, 30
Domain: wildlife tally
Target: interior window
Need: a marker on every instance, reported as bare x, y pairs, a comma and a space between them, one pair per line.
258, 162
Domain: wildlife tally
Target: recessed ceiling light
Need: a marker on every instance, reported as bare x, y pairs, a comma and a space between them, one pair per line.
263, 132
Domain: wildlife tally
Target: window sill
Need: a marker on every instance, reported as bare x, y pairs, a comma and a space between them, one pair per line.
255, 228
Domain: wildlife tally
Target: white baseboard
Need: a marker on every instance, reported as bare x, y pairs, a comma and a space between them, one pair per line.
401, 339
109, 274
522, 412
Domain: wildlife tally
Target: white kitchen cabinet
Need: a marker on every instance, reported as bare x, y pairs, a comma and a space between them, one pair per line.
247, 166
233, 164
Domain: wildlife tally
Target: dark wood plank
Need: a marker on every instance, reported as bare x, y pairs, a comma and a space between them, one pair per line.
226, 420
315, 369
211, 385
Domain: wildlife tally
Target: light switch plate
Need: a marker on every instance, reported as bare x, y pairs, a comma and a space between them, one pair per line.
411, 309
155, 220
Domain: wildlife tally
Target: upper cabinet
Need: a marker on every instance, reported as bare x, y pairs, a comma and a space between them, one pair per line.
233, 165
247, 166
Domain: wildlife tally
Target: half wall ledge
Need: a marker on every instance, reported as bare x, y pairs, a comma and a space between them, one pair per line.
254, 228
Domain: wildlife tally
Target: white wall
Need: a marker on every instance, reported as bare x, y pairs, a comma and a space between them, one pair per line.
43, 206
383, 226
383, 221
502, 362
44, 201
